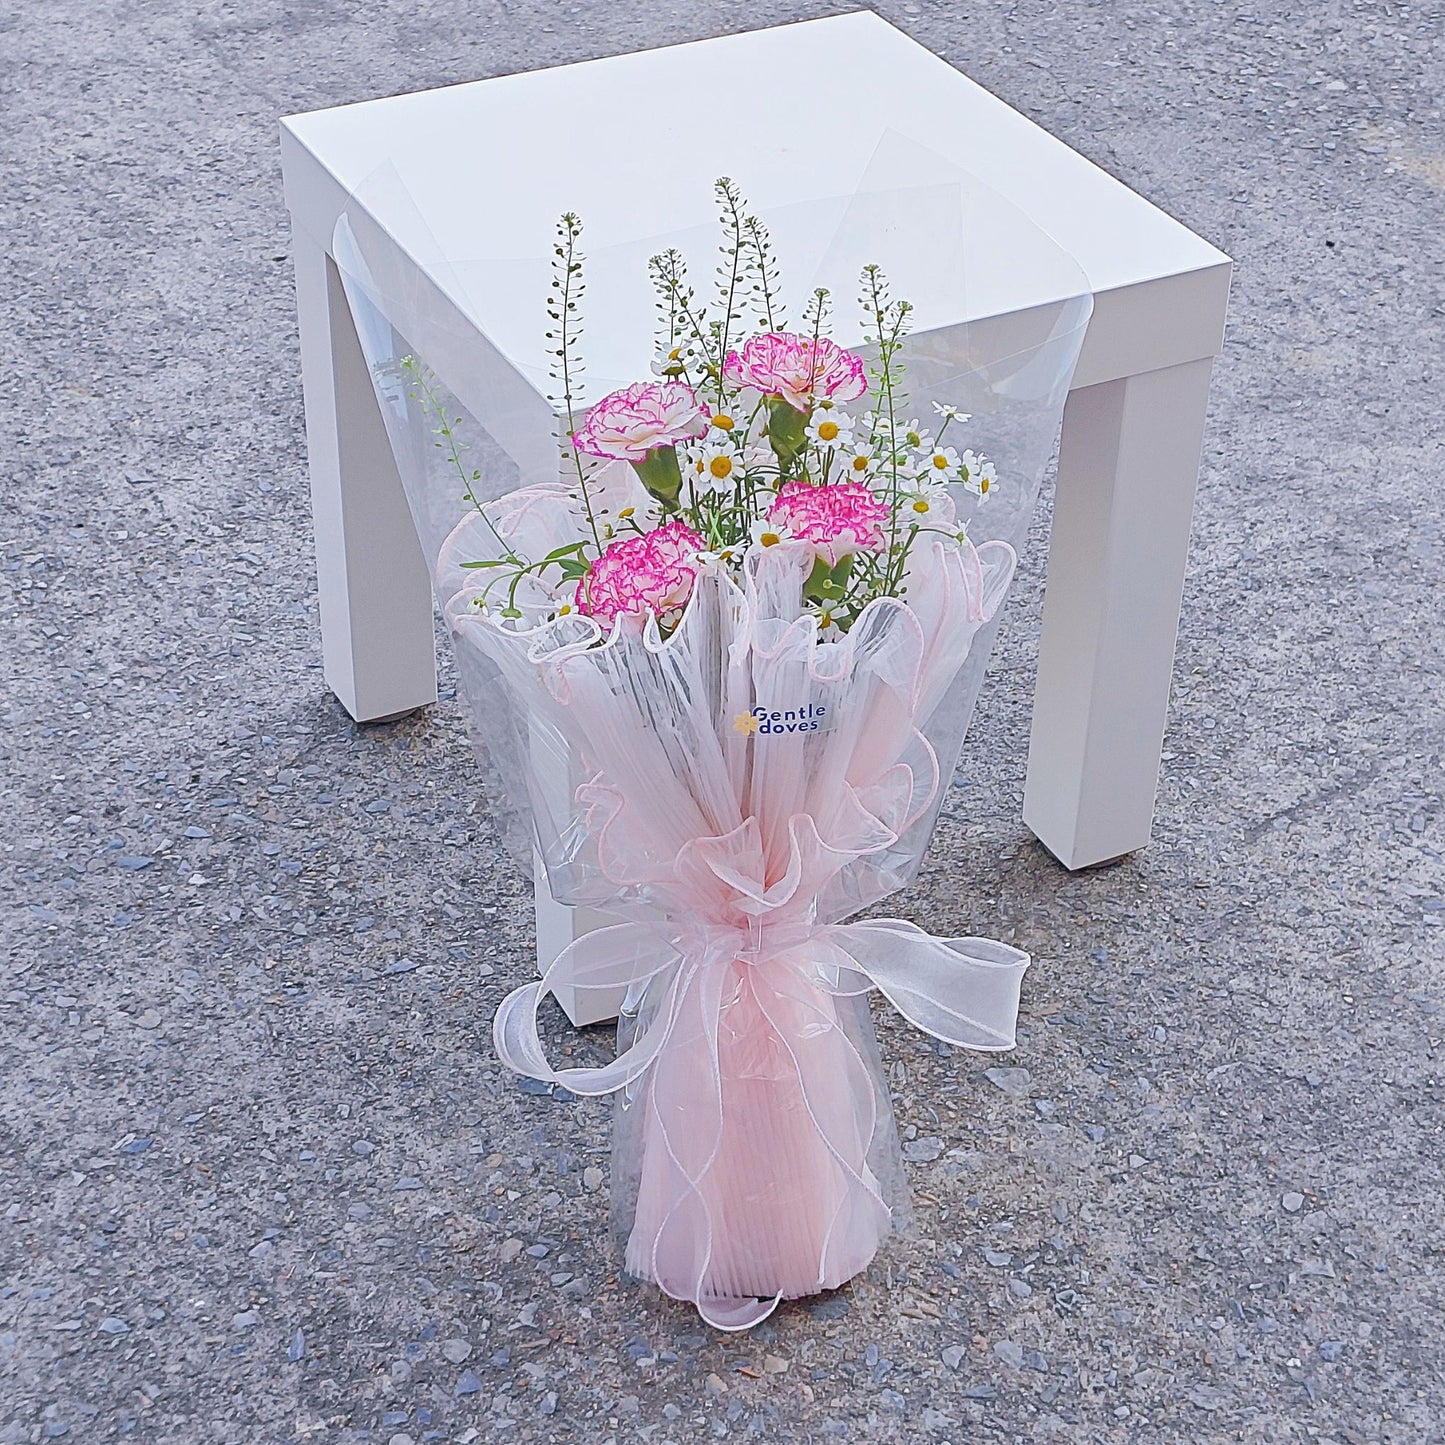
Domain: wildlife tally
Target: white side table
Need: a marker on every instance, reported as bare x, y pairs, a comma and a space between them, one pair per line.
502, 158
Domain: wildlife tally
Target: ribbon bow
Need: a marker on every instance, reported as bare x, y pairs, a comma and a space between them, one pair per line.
761, 1090
964, 991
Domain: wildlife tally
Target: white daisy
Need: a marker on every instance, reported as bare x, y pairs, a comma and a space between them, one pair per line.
939, 462
950, 413
978, 474
912, 433
674, 361
858, 462
828, 618
928, 502
831, 427
724, 558
712, 465
720, 466
767, 534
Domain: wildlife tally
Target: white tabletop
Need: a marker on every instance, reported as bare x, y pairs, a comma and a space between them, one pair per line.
468, 181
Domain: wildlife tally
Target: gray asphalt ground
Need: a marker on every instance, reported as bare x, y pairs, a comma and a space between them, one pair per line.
261, 1179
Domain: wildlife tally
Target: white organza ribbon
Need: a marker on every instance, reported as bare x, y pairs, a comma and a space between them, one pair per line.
964, 991
759, 1108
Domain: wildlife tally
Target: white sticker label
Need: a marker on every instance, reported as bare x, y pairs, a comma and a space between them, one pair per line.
777, 722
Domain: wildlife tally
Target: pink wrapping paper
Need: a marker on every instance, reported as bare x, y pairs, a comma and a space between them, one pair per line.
743, 788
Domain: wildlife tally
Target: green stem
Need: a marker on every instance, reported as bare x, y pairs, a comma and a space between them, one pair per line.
432, 402
571, 228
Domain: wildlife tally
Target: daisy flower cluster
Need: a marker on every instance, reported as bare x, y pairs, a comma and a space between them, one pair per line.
748, 435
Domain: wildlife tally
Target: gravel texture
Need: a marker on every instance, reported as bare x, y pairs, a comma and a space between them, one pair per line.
261, 1179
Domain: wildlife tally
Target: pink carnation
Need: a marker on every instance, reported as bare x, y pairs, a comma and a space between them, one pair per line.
836, 520
628, 424
652, 573
797, 368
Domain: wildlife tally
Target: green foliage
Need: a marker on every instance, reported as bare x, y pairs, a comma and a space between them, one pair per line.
760, 268
564, 300
723, 486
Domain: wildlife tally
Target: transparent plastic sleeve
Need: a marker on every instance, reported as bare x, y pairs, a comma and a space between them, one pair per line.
737, 791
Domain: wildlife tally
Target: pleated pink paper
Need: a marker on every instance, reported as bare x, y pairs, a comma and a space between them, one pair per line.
755, 1151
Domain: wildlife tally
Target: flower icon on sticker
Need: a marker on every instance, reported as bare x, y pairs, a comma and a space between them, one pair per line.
745, 723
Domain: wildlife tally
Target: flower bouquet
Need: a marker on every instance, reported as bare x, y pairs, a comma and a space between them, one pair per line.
738, 637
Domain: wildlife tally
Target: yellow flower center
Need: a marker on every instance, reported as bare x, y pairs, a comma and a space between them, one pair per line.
860, 463
940, 461
625, 513
921, 504
827, 431
723, 422
721, 468
982, 485
769, 539
913, 439
564, 609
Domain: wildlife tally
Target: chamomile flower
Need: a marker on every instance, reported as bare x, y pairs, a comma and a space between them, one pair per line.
940, 462
768, 534
859, 461
726, 559
950, 413
713, 465
673, 362
724, 421
831, 427
828, 617
912, 434
979, 475
928, 503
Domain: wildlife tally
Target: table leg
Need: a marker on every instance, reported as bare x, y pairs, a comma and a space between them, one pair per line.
377, 640
1128, 463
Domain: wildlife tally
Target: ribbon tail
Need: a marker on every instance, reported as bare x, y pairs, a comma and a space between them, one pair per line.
964, 991
733, 1315
622, 956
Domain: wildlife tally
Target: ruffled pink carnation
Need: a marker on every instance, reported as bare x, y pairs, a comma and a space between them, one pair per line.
836, 520
797, 368
652, 573
628, 424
